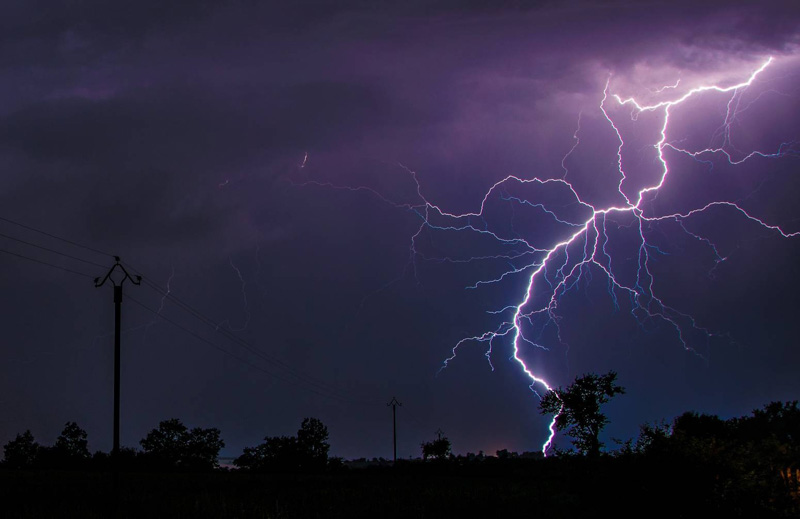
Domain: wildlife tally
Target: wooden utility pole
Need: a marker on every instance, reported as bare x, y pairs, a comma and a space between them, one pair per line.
394, 403
117, 325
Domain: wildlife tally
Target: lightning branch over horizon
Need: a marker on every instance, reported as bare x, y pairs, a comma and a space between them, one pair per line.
245, 303
586, 230
165, 295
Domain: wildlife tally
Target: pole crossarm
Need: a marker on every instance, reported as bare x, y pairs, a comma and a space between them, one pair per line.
136, 280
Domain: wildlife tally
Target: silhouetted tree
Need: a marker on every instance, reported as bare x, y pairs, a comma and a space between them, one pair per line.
772, 438
577, 409
69, 452
438, 449
749, 465
653, 438
21, 452
312, 443
129, 458
277, 453
700, 426
202, 448
72, 444
306, 451
172, 444
777, 420
166, 443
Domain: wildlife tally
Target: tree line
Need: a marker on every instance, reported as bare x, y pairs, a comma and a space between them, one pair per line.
173, 446
754, 457
748, 463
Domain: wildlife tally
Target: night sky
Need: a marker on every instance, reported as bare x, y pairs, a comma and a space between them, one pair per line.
286, 171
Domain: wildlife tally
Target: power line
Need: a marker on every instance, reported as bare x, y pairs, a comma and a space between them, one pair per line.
65, 240
246, 345
332, 391
241, 359
52, 250
48, 264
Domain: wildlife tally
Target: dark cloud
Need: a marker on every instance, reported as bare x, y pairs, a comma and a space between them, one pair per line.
190, 124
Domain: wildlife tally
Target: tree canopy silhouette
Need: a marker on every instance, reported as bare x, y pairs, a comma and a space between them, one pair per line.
751, 464
72, 444
306, 451
21, 452
71, 450
312, 443
577, 409
172, 444
438, 449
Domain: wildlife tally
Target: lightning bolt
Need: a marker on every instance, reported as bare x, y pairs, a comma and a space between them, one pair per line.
246, 304
666, 87
551, 270
574, 147
592, 232
164, 297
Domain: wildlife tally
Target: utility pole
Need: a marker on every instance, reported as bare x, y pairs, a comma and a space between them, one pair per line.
117, 323
394, 403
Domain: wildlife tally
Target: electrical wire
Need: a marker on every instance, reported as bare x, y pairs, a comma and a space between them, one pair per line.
46, 263
321, 386
249, 347
76, 244
241, 359
53, 251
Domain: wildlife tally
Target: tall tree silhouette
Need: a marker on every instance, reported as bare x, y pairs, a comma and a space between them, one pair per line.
72, 444
312, 443
21, 452
578, 409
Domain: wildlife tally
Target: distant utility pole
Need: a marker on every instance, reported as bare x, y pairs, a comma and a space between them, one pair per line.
394, 403
117, 319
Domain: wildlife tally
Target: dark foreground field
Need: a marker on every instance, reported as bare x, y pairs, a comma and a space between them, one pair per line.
550, 488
